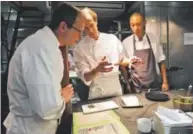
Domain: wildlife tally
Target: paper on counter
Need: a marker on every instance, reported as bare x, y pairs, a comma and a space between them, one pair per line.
107, 122
80, 119
103, 129
98, 107
113, 127
130, 101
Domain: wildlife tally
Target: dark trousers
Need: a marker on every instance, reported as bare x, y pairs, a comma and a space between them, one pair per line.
82, 90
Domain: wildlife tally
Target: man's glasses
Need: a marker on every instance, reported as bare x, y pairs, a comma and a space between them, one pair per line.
77, 29
82, 33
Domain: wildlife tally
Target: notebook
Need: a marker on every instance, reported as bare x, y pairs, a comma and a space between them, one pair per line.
98, 107
81, 119
107, 122
131, 101
109, 128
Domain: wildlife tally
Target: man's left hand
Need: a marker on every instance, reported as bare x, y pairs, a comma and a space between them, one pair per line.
165, 87
131, 61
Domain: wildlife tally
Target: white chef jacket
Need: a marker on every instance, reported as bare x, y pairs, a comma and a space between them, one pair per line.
35, 73
89, 52
143, 44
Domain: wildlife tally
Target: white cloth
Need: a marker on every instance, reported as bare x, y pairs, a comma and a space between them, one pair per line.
71, 60
105, 85
143, 44
89, 52
35, 73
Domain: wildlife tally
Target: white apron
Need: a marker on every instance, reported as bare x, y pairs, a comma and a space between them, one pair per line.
105, 85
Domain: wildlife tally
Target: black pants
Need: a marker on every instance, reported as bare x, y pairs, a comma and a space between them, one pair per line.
82, 90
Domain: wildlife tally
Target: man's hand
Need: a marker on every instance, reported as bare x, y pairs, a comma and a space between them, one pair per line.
135, 59
67, 93
123, 62
165, 86
129, 62
103, 66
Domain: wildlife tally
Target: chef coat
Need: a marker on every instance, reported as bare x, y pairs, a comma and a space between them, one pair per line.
35, 73
87, 55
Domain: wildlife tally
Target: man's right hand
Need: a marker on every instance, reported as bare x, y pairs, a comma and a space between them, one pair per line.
67, 93
103, 66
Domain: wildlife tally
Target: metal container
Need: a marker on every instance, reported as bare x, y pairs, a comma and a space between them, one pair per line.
183, 103
160, 128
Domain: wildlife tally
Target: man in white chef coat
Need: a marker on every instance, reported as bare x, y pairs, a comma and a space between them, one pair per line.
94, 61
36, 99
145, 46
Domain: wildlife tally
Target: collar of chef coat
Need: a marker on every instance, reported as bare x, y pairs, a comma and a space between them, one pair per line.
50, 35
143, 39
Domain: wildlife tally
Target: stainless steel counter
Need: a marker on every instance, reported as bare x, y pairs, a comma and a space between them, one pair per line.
130, 115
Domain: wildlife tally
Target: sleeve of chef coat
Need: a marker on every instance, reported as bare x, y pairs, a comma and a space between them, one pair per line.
120, 48
43, 74
128, 47
159, 54
81, 65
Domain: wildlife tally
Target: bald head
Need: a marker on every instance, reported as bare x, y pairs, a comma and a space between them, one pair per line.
92, 13
137, 24
139, 15
91, 23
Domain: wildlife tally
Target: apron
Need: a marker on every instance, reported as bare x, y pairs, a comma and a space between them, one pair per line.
144, 75
105, 85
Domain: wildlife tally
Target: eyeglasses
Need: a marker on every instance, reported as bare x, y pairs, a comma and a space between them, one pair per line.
77, 30
82, 34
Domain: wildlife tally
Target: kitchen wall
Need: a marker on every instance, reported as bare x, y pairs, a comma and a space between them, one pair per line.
169, 21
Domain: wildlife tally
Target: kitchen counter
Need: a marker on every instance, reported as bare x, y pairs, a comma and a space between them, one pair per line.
129, 116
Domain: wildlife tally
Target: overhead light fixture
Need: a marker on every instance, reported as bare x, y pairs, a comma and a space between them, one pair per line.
20, 29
